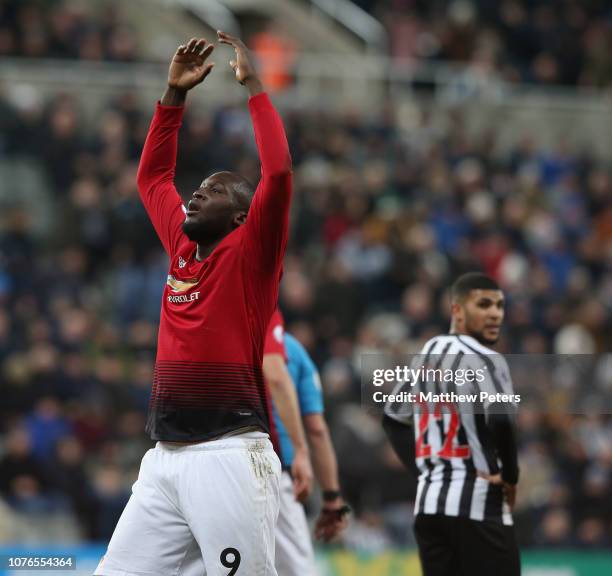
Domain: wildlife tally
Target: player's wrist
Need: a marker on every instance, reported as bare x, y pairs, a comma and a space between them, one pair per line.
332, 506
331, 495
510, 476
301, 448
254, 85
336, 511
173, 96
176, 85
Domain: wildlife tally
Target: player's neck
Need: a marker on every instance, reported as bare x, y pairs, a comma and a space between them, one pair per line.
454, 330
207, 245
204, 250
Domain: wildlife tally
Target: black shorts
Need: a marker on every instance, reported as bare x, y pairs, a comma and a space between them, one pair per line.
459, 546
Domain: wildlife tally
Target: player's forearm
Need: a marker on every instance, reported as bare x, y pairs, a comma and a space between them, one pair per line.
254, 86
401, 438
270, 137
504, 436
323, 457
173, 97
158, 160
286, 403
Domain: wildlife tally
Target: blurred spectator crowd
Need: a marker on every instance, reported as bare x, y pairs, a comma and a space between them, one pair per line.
564, 42
64, 29
534, 41
382, 223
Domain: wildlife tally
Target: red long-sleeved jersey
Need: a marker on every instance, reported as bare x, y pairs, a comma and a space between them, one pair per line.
215, 313
275, 343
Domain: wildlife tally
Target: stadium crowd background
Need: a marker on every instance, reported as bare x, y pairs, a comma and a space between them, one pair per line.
535, 41
382, 223
564, 42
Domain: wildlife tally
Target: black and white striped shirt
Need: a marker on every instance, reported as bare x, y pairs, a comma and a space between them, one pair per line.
452, 444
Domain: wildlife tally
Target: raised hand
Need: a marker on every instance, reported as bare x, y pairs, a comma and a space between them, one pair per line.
188, 67
243, 64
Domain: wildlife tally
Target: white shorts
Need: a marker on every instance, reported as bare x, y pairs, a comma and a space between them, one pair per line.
294, 553
206, 509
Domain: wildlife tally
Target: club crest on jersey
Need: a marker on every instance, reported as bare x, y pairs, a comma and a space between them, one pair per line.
182, 262
181, 285
277, 332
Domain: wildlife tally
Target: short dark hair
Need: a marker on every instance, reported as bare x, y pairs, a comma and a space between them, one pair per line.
243, 192
471, 281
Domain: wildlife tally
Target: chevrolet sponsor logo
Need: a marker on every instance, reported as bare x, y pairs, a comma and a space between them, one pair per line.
181, 298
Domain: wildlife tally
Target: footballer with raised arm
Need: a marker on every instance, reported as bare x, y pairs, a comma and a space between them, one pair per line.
207, 496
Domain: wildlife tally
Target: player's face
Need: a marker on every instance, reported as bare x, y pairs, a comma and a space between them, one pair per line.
211, 212
482, 315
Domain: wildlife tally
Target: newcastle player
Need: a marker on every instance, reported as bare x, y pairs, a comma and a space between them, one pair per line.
467, 459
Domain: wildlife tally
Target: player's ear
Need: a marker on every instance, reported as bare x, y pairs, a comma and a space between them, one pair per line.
456, 311
239, 219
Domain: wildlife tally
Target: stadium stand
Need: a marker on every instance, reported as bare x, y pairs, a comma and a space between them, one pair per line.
540, 42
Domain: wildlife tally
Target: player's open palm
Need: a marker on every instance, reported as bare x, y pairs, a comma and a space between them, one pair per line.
188, 67
243, 64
